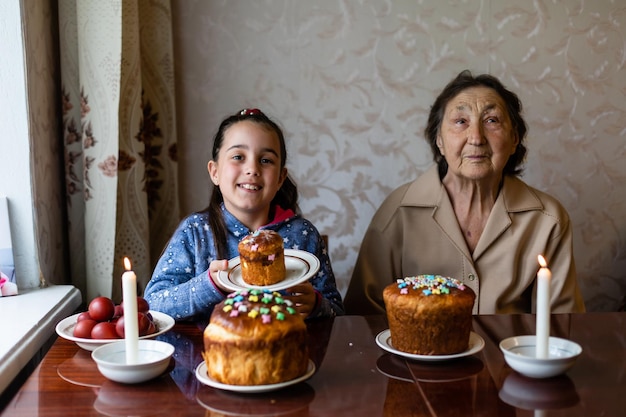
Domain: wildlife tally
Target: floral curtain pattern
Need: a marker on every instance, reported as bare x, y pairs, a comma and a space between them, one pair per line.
119, 136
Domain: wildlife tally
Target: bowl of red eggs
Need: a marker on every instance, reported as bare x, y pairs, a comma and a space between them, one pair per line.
103, 323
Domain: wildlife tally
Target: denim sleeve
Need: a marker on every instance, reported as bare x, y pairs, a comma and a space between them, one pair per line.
180, 285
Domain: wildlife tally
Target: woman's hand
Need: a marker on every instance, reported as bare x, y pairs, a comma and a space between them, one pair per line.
304, 297
214, 268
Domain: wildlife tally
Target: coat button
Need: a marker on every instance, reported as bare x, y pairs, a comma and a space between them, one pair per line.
471, 277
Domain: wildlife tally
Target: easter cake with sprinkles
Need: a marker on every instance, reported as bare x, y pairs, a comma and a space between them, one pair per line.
262, 257
255, 337
429, 314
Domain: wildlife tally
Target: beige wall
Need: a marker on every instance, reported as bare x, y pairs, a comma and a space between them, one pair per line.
351, 82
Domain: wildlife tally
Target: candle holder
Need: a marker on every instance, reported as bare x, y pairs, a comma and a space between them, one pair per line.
520, 354
153, 358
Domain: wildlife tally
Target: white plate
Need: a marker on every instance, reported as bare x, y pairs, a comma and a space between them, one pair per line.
300, 266
201, 374
65, 329
476, 344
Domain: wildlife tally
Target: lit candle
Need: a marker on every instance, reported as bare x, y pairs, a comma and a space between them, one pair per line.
131, 325
544, 276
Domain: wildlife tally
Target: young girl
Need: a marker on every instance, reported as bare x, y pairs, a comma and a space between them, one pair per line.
252, 191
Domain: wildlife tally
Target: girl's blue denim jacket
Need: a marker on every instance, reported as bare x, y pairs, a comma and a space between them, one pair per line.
180, 285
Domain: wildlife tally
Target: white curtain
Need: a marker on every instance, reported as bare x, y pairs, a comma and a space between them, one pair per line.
119, 129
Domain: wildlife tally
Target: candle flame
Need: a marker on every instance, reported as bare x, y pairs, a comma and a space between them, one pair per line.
542, 261
127, 263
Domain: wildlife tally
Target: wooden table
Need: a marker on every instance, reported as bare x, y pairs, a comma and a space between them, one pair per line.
354, 377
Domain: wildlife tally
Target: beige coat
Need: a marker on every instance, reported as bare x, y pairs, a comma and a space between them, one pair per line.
415, 231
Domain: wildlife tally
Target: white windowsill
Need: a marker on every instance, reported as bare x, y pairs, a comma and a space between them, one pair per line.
28, 321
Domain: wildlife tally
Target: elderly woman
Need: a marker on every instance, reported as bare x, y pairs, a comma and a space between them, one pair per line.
470, 216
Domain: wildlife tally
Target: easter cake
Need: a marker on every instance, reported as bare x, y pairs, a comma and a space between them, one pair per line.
255, 337
429, 314
262, 258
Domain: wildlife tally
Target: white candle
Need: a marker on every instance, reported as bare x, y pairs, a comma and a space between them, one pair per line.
544, 276
131, 325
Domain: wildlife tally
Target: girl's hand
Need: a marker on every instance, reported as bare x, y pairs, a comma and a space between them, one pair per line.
304, 297
214, 268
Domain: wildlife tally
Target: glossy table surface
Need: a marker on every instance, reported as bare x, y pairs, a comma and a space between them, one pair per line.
354, 377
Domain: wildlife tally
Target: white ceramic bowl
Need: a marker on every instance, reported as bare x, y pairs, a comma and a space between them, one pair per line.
153, 359
519, 354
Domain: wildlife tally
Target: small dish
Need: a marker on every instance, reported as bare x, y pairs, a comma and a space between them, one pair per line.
153, 359
65, 329
519, 354
476, 344
201, 374
300, 266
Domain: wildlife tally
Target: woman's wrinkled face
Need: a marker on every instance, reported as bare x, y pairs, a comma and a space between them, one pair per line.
248, 169
476, 136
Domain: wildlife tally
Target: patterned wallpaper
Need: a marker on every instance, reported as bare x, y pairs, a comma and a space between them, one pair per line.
351, 82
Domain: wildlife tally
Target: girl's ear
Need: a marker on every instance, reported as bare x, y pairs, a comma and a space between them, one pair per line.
283, 176
212, 168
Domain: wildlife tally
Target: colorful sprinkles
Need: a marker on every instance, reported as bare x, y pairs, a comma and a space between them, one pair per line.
255, 237
267, 305
429, 284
